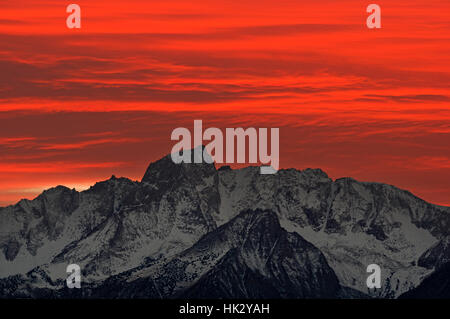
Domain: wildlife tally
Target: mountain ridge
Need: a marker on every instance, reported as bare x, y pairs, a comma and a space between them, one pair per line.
119, 224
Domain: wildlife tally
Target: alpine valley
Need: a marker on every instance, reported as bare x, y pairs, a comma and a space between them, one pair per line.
194, 231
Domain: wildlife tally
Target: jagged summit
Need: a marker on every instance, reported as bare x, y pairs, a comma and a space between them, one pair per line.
128, 232
166, 170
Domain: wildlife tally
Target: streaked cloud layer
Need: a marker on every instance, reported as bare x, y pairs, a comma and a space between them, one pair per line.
80, 105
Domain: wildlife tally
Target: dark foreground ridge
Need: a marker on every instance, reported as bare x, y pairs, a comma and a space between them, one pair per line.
191, 231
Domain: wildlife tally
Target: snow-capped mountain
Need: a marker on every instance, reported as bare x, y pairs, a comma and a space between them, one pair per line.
191, 230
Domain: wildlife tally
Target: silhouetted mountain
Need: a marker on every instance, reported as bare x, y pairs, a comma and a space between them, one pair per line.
249, 257
138, 239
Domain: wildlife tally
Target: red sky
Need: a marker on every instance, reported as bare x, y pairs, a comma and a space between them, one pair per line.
77, 106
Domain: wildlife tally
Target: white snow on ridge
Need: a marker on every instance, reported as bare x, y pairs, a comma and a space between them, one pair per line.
350, 254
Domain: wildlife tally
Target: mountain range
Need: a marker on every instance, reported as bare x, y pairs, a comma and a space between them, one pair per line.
194, 231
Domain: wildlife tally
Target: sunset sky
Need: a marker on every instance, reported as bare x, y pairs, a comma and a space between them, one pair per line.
77, 106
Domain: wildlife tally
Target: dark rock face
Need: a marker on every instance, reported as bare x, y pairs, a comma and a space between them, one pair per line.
249, 257
436, 286
11, 249
268, 263
437, 256
191, 230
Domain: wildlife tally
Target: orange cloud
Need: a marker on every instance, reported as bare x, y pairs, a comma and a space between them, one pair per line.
372, 104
